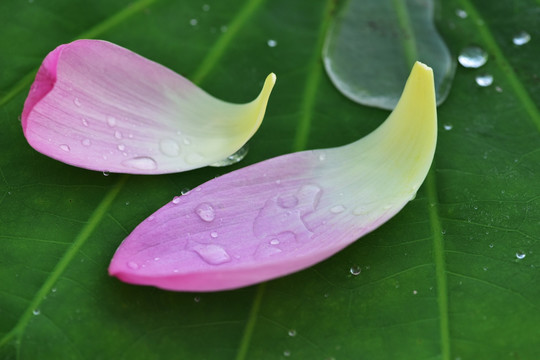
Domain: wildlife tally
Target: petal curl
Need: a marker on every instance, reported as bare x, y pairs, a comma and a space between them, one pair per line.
102, 107
287, 213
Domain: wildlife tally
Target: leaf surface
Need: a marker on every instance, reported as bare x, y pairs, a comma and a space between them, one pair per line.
441, 280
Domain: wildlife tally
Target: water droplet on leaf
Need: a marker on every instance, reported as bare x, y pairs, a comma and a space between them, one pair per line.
520, 255
448, 127
292, 332
484, 80
355, 270
521, 39
472, 57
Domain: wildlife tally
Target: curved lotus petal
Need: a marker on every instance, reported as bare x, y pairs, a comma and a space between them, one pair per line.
289, 212
99, 106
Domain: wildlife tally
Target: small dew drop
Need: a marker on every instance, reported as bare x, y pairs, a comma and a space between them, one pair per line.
272, 43
491, 245
106, 173
484, 80
292, 333
206, 212
206, 7
461, 13
77, 102
53, 290
36, 312
133, 265
150, 218
337, 209
472, 57
86, 142
286, 353
521, 39
498, 89
169, 147
118, 134
85, 122
415, 292
141, 163
448, 127
234, 158
197, 299
121, 147
193, 22
520, 255
485, 268
355, 270
176, 200
213, 254
65, 147
214, 234
274, 242
287, 202
322, 156
184, 191
111, 121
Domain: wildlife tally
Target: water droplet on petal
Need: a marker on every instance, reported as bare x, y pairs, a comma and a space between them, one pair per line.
214, 234
121, 147
133, 265
484, 80
355, 270
213, 254
287, 201
106, 173
520, 255
521, 39
141, 163
77, 102
176, 200
118, 134
234, 158
472, 57
86, 142
169, 147
206, 212
111, 121
322, 156
337, 209
274, 242
272, 43
65, 147
85, 122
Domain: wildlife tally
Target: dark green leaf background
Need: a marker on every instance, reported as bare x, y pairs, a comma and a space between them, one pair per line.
439, 281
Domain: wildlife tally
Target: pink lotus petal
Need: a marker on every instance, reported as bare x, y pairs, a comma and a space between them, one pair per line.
287, 213
99, 106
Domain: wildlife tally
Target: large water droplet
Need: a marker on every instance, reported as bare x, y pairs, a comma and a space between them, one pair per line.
206, 212
65, 147
169, 147
111, 121
521, 39
213, 254
234, 158
484, 80
520, 255
141, 163
206, 7
472, 57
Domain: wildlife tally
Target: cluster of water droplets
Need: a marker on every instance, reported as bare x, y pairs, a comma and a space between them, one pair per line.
475, 57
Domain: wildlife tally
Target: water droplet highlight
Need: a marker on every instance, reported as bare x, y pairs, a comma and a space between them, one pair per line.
272, 43
520, 255
448, 127
521, 39
355, 270
169, 147
141, 163
121, 147
484, 80
65, 147
292, 333
274, 242
213, 234
234, 158
176, 200
472, 57
106, 173
206, 212
36, 312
